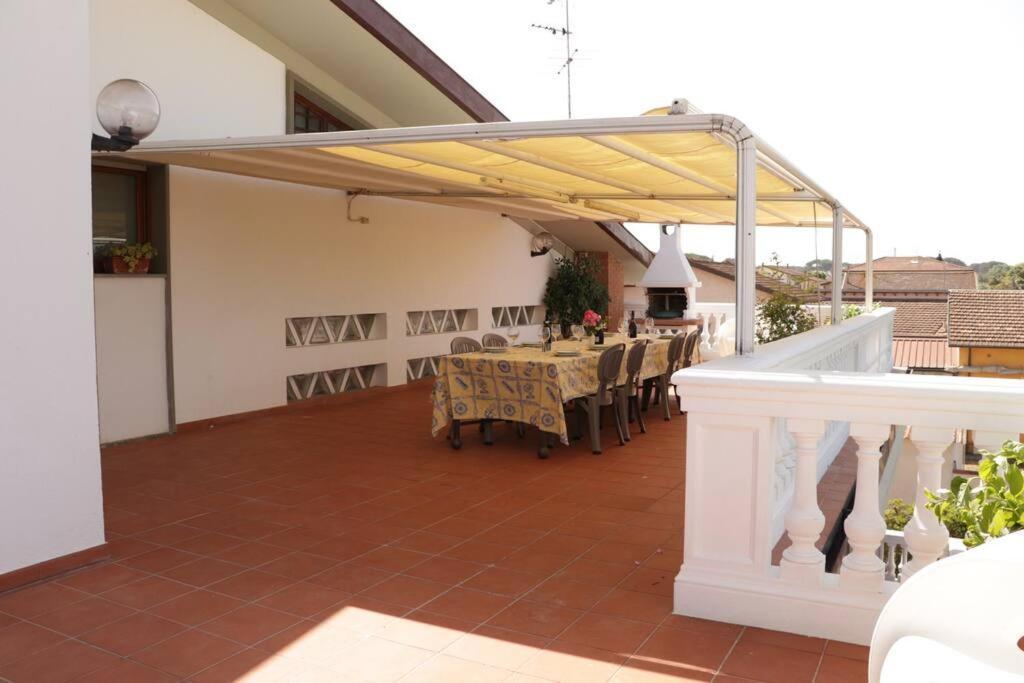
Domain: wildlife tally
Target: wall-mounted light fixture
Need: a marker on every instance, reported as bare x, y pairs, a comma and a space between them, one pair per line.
129, 111
541, 244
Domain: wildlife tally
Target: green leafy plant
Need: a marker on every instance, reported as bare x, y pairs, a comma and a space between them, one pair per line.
573, 289
131, 254
989, 505
853, 310
781, 316
897, 513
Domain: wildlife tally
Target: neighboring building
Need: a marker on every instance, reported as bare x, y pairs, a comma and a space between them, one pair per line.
909, 278
919, 337
917, 287
795, 276
986, 328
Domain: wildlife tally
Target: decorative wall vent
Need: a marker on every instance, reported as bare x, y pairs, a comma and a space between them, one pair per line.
326, 382
418, 368
504, 316
437, 322
334, 329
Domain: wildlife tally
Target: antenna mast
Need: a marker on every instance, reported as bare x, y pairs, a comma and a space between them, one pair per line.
570, 53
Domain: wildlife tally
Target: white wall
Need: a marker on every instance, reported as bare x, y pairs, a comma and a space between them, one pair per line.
131, 355
247, 253
50, 498
211, 82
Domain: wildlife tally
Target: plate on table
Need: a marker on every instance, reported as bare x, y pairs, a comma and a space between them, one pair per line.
532, 345
666, 336
495, 349
567, 354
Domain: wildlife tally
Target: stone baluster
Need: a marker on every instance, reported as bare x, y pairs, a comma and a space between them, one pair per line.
865, 528
927, 538
802, 561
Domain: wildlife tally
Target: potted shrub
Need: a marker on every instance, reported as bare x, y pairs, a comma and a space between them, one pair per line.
129, 258
987, 506
573, 289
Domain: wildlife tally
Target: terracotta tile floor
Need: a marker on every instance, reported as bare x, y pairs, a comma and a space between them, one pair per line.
341, 542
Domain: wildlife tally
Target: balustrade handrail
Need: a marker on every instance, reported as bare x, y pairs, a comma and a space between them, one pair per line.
992, 404
796, 350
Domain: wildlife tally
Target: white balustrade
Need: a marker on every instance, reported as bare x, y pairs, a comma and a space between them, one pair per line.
865, 527
802, 561
927, 537
761, 430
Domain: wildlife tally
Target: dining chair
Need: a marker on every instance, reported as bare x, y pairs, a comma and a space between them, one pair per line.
627, 394
468, 345
691, 350
659, 385
494, 341
609, 364
465, 345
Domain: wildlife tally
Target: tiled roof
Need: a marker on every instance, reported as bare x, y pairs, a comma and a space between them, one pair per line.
919, 319
922, 354
915, 280
912, 274
763, 282
917, 263
986, 317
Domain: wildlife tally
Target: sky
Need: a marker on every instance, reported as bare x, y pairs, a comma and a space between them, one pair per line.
908, 111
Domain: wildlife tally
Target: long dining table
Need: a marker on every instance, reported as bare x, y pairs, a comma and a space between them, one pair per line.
528, 385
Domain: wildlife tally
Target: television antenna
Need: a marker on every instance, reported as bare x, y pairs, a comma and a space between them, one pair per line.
570, 53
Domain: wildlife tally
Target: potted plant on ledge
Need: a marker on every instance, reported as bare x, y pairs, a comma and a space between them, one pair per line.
573, 289
129, 258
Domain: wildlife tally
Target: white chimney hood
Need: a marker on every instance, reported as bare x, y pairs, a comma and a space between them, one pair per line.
670, 267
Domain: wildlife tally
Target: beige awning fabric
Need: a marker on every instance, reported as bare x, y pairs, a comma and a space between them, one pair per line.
660, 169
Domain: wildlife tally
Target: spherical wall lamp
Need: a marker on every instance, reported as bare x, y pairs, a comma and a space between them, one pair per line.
129, 111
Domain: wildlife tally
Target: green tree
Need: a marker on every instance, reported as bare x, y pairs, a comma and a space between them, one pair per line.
822, 264
1006, 277
986, 270
781, 316
573, 288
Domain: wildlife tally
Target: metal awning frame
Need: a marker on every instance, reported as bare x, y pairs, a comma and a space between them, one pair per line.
751, 153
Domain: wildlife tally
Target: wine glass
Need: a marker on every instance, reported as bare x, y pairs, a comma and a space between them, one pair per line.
649, 324
513, 333
545, 334
578, 333
623, 326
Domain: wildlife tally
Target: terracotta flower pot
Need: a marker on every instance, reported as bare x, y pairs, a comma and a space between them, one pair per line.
116, 264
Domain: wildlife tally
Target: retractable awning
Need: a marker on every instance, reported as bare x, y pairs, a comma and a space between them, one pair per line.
662, 169
676, 168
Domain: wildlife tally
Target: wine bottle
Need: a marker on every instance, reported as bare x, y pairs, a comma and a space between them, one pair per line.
547, 334
632, 324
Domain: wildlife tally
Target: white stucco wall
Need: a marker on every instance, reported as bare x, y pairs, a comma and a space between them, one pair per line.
211, 82
50, 498
131, 355
247, 253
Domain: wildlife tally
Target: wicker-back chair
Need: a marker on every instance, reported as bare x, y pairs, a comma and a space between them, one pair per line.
628, 394
493, 341
465, 345
608, 367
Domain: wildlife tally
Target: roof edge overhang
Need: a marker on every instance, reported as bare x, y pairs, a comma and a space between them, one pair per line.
394, 35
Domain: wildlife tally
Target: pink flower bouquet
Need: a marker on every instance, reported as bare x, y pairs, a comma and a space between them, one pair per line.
593, 322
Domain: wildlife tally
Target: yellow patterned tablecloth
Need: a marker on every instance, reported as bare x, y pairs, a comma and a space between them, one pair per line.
526, 384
